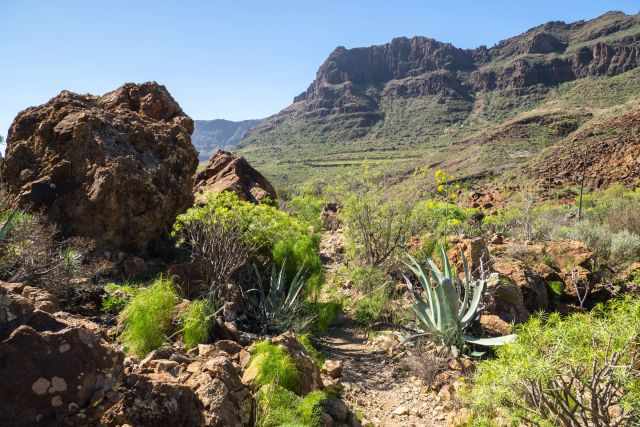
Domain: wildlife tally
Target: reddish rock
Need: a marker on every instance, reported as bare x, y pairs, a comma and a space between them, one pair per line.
228, 172
207, 392
494, 325
476, 253
117, 168
53, 372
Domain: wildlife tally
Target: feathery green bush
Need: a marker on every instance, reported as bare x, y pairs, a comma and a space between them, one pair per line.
196, 323
147, 317
117, 297
279, 407
274, 366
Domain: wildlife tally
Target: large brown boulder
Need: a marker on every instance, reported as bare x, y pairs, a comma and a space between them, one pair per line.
117, 168
54, 373
228, 172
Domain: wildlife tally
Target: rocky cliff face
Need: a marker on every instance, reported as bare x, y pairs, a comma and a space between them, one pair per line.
352, 85
210, 135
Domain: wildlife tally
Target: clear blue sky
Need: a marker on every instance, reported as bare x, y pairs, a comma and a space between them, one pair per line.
231, 59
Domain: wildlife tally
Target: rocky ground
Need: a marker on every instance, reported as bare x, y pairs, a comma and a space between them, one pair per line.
378, 385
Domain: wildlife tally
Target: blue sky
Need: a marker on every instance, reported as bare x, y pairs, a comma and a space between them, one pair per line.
231, 59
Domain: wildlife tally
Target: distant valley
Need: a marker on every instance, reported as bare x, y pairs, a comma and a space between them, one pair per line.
209, 135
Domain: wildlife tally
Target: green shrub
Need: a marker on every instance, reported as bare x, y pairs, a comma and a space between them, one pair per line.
278, 407
595, 236
278, 306
270, 232
274, 366
377, 226
117, 297
625, 247
372, 307
556, 287
366, 279
308, 208
310, 408
563, 368
324, 314
147, 317
440, 217
196, 323
305, 340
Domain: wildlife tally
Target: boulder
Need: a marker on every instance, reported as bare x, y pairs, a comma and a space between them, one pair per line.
533, 288
53, 373
116, 168
228, 172
175, 390
475, 251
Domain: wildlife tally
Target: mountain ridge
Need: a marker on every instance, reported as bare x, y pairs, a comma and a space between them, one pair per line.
420, 92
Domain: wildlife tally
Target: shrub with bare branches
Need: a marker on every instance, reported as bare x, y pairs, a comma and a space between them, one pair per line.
218, 249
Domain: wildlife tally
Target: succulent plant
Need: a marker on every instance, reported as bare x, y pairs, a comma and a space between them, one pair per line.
280, 306
445, 305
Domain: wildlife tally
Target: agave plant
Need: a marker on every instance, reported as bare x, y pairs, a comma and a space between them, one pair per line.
445, 305
280, 307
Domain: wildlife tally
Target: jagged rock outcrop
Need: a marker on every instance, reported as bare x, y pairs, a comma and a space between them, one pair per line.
54, 372
228, 172
117, 168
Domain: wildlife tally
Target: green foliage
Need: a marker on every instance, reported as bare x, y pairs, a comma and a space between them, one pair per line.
271, 233
278, 407
300, 253
565, 354
310, 408
444, 306
366, 279
440, 217
424, 248
147, 317
372, 307
117, 297
377, 225
324, 314
556, 287
274, 366
308, 208
8, 223
196, 323
305, 340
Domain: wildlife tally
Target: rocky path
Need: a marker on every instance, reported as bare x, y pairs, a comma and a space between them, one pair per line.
376, 386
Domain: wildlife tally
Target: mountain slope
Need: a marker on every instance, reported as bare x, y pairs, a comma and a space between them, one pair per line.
209, 135
407, 103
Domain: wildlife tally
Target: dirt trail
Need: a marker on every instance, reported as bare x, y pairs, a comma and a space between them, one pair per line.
375, 385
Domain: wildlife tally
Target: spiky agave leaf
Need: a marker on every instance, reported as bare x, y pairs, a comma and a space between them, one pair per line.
491, 342
446, 313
